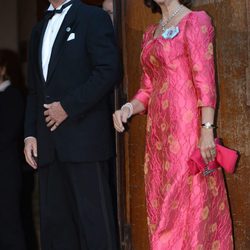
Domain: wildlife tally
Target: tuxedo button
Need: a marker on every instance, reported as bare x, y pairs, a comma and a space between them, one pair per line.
47, 97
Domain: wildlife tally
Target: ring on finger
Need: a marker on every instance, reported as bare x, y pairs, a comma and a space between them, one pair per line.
213, 151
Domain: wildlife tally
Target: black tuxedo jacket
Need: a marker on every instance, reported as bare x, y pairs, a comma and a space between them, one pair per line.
82, 73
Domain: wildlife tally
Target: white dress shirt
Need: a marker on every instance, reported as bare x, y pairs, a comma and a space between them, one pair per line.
50, 34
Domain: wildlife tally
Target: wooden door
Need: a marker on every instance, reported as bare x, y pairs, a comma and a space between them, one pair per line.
135, 17
232, 21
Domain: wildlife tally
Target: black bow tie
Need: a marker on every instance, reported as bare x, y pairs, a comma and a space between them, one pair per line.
51, 13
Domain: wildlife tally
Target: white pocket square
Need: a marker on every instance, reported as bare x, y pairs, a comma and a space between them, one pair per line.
71, 36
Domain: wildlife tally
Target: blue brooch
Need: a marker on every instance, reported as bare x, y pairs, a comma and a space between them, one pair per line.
170, 33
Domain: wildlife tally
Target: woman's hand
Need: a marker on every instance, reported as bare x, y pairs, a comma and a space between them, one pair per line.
120, 117
207, 145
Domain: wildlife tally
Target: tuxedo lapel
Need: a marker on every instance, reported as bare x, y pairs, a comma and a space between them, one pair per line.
68, 25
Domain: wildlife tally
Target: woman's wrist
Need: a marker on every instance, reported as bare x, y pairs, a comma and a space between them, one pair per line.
207, 132
128, 106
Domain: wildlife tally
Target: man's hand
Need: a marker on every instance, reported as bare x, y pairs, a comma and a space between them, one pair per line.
30, 151
54, 115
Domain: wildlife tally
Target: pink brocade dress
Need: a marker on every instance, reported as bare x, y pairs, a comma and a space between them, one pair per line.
184, 211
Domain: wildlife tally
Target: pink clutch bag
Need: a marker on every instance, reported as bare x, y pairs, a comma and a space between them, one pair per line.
225, 158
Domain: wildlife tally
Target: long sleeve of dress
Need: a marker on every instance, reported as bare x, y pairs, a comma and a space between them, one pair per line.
200, 35
143, 94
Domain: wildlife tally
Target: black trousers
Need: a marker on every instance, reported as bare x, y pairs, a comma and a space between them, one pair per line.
76, 207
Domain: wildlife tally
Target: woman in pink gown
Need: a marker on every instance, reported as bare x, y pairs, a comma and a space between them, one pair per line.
179, 94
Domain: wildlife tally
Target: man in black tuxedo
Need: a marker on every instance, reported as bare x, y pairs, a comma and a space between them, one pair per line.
73, 67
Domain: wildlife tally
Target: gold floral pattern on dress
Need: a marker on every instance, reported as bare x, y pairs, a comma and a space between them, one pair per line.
204, 29
216, 245
149, 124
211, 182
197, 67
164, 127
167, 187
164, 88
170, 139
190, 180
188, 116
146, 164
199, 247
165, 104
174, 65
205, 213
215, 192
164, 235
210, 51
158, 145
155, 203
174, 145
148, 220
214, 227
212, 186
222, 206
152, 228
211, 48
154, 61
166, 165
174, 205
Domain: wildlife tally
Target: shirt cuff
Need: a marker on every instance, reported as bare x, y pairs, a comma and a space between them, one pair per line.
29, 138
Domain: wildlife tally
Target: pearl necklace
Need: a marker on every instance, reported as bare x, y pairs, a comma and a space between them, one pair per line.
163, 24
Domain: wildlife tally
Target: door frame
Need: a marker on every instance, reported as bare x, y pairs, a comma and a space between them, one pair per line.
121, 169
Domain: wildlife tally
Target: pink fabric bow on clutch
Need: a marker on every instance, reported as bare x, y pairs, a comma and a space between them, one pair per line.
225, 158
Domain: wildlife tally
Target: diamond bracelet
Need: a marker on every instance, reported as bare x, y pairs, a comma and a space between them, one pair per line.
130, 108
208, 125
